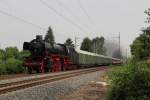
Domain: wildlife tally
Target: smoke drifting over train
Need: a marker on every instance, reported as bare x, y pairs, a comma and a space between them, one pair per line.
112, 47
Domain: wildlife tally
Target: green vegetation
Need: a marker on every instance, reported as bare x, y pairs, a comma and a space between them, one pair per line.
147, 12
49, 37
130, 82
86, 44
140, 48
96, 45
11, 60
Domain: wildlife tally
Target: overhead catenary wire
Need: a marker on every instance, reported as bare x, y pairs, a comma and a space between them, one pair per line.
25, 21
83, 9
21, 19
64, 17
35, 25
86, 13
28, 22
4, 3
69, 11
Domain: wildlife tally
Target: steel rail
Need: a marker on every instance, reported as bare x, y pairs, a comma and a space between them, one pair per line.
9, 87
34, 79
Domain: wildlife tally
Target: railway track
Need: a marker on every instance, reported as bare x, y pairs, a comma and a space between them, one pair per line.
18, 85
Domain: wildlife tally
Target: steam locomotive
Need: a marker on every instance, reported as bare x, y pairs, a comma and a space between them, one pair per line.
52, 57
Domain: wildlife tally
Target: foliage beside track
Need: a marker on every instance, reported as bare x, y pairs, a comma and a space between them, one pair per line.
130, 82
140, 48
11, 60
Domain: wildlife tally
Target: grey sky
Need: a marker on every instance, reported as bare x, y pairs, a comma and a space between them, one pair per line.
108, 17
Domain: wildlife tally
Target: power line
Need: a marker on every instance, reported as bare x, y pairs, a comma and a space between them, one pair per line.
20, 19
83, 9
35, 25
25, 21
69, 11
61, 15
85, 12
6, 4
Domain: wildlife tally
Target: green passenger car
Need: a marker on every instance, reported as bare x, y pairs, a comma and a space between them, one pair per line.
89, 59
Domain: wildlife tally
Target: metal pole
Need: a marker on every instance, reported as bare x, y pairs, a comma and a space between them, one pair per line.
75, 43
119, 45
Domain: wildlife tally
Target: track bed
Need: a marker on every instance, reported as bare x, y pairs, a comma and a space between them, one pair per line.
34, 80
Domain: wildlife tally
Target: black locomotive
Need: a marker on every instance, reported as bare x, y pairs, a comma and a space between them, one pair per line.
39, 47
46, 56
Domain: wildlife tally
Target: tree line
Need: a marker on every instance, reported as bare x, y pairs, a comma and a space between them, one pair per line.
140, 48
96, 45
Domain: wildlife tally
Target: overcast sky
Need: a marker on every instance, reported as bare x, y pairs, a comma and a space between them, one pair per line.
82, 18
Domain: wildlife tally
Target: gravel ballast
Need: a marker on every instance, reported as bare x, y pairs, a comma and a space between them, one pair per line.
53, 90
5, 81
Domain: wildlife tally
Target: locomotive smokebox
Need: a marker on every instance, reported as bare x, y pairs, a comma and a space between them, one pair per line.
26, 46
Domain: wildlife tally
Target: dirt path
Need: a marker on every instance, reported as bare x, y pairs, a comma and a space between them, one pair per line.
92, 91
88, 92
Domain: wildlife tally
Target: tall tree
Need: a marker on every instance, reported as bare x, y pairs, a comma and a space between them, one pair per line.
2, 55
69, 42
147, 12
140, 48
86, 44
49, 37
98, 45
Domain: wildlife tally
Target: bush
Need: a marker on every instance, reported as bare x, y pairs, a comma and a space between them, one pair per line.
11, 60
14, 66
130, 82
2, 69
24, 54
11, 52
